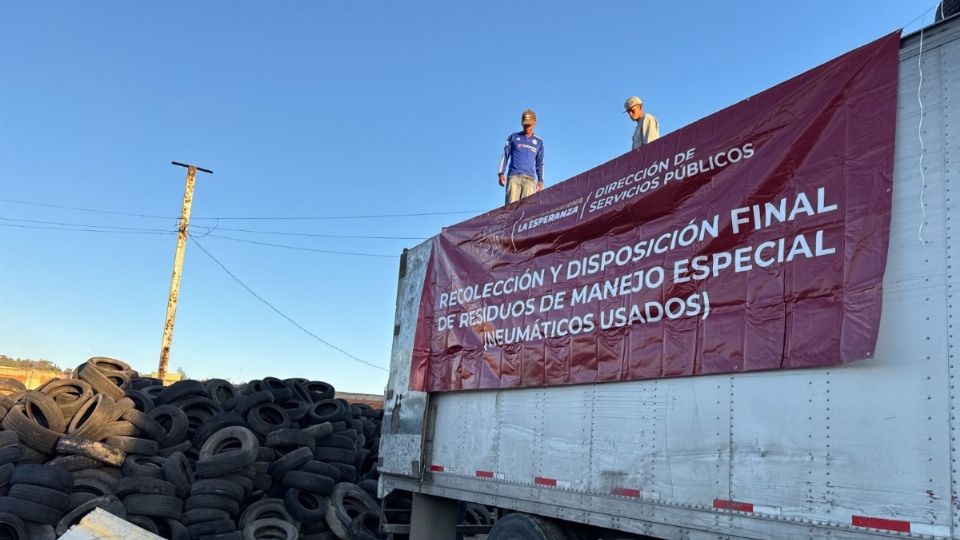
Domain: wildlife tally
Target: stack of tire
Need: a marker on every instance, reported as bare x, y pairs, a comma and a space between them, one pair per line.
195, 460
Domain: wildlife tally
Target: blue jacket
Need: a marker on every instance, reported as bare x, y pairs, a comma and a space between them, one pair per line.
525, 155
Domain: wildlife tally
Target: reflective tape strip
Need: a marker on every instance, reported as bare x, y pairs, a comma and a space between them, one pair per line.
436, 468
881, 523
625, 492
932, 530
484, 474
541, 481
736, 506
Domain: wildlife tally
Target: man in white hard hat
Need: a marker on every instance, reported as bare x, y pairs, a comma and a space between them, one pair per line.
524, 153
648, 128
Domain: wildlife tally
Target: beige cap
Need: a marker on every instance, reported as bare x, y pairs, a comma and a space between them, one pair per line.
528, 117
632, 102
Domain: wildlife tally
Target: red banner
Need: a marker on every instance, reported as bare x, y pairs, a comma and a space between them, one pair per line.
753, 239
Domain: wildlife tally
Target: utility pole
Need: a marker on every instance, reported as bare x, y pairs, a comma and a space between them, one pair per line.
177, 266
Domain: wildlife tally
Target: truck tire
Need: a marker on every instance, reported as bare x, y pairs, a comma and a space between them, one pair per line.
304, 506
347, 502
527, 527
12, 527
174, 423
43, 476
274, 529
266, 509
366, 526
108, 502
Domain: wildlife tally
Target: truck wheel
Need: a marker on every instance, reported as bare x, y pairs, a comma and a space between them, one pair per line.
525, 527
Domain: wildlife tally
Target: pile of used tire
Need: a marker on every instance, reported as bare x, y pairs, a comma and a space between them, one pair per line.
271, 459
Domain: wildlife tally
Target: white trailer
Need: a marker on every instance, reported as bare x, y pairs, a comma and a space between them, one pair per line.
864, 450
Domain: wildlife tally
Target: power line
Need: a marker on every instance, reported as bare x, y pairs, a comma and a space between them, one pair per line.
277, 311
299, 248
238, 218
54, 228
86, 225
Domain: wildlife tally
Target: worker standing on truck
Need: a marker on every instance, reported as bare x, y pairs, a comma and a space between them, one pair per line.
648, 128
524, 152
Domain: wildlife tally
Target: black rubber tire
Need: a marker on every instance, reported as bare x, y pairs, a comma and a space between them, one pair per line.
174, 424
6, 471
177, 471
146, 523
180, 390
142, 401
10, 455
220, 390
74, 463
107, 364
210, 528
290, 438
97, 482
41, 495
218, 456
198, 409
370, 486
130, 485
218, 486
304, 506
149, 427
519, 525
320, 390
214, 424
134, 445
335, 455
314, 483
345, 503
348, 473
148, 466
337, 441
274, 529
185, 446
109, 503
43, 476
266, 454
91, 416
249, 402
172, 529
262, 482
280, 390
12, 527
267, 417
119, 428
153, 505
99, 381
200, 515
245, 483
43, 410
31, 434
319, 431
290, 462
9, 439
296, 410
219, 502
319, 467
30, 511
365, 526
235, 535
270, 508
328, 410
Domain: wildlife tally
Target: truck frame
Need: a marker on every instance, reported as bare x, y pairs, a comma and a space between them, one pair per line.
863, 450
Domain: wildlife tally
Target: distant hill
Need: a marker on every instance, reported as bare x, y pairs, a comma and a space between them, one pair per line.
26, 363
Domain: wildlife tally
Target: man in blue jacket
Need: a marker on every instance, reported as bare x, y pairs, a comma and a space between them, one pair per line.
524, 153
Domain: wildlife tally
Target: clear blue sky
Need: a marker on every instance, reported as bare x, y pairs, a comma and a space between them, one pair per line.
324, 109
